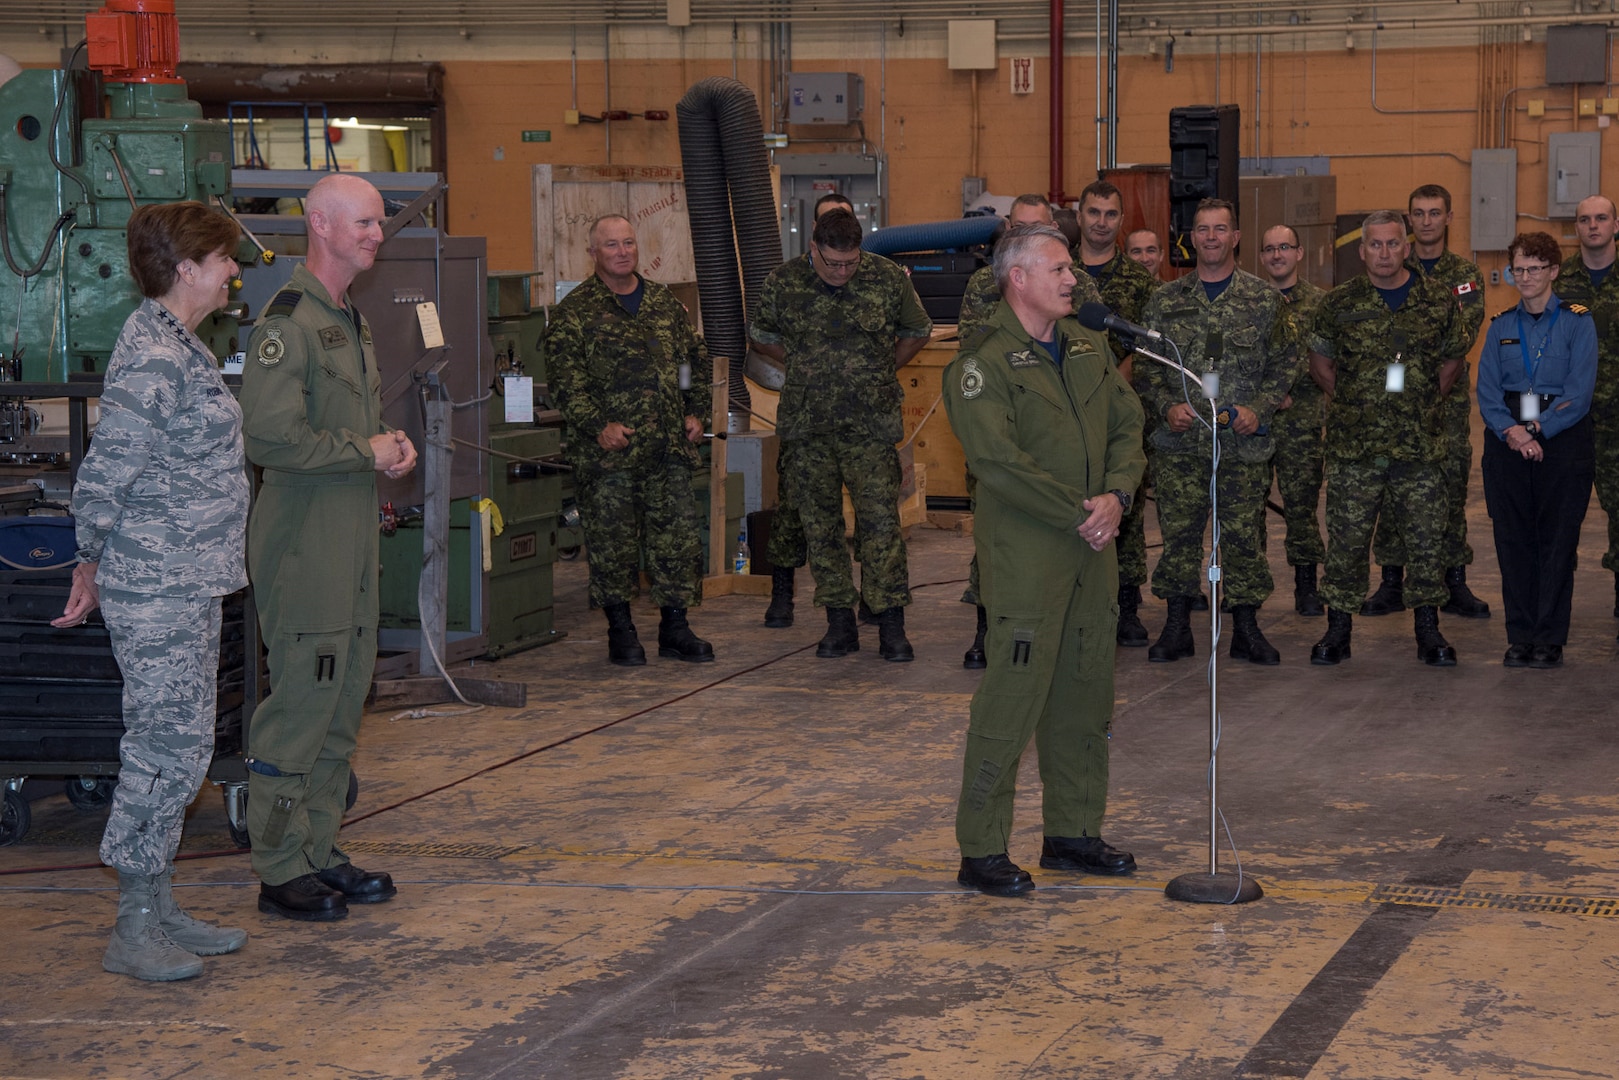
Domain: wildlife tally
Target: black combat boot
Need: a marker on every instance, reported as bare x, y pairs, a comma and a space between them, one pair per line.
1432, 648
1131, 634
842, 635
1334, 647
623, 646
1247, 642
1200, 602
974, 658
1175, 642
677, 642
1462, 601
1390, 595
892, 643
1306, 601
779, 615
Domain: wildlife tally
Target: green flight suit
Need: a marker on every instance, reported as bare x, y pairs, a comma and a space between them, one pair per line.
311, 401
1466, 284
978, 303
1041, 441
1575, 285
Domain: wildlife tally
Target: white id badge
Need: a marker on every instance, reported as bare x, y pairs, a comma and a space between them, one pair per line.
1395, 382
1528, 406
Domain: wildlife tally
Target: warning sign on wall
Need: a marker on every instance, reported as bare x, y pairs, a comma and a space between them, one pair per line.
1022, 74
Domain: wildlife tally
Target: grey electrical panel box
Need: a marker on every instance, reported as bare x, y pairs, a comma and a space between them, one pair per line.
1495, 199
862, 178
1573, 170
825, 97
1576, 54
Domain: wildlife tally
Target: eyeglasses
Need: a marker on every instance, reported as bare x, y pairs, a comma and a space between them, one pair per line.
1530, 271
1278, 249
836, 264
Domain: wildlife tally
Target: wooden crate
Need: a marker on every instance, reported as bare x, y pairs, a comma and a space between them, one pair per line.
935, 444
567, 198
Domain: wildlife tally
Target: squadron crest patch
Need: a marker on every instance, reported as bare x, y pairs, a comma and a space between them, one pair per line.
271, 347
972, 379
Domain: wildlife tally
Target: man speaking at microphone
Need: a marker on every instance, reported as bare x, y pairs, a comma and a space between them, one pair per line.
1227, 322
1053, 434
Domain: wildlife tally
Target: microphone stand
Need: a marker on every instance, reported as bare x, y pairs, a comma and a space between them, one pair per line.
1213, 887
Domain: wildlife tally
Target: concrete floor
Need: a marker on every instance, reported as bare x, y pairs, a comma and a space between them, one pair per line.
746, 869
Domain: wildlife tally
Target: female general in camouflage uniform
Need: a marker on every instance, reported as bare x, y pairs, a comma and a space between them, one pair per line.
161, 509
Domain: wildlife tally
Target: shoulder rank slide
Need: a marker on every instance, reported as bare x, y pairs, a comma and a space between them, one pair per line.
1578, 309
284, 303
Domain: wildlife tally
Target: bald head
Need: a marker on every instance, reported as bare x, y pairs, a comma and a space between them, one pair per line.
345, 229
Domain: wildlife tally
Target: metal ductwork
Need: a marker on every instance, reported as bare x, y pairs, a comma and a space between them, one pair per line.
732, 212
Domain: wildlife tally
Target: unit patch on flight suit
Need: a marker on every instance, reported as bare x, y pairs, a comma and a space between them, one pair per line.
332, 337
271, 347
972, 380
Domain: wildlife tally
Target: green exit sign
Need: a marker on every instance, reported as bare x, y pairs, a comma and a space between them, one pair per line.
536, 136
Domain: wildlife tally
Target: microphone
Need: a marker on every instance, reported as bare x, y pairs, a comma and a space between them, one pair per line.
1094, 316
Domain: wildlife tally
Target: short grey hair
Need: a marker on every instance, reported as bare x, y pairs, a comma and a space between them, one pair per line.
1018, 246
1383, 217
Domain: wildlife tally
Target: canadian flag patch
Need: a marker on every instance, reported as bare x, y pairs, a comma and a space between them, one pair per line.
1464, 288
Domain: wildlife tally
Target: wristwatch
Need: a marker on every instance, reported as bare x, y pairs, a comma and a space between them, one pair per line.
1124, 498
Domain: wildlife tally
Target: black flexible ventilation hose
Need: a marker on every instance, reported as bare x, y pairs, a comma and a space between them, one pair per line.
728, 178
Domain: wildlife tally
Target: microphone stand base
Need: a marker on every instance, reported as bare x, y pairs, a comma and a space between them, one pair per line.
1214, 889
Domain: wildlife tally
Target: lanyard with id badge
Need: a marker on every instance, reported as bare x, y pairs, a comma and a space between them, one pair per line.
1394, 379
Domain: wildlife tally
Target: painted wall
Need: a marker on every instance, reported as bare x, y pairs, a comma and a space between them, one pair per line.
1309, 103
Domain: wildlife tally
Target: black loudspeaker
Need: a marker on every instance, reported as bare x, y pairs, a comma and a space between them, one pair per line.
1203, 154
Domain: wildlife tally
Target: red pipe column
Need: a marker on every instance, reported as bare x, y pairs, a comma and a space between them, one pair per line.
1056, 195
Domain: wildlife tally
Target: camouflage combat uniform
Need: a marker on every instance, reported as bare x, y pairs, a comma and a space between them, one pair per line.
978, 303
1466, 284
1126, 286
1574, 286
610, 366
1243, 336
839, 417
1385, 450
311, 401
161, 504
1042, 440
1297, 433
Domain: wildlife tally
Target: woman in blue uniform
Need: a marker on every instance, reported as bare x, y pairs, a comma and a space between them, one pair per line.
1535, 380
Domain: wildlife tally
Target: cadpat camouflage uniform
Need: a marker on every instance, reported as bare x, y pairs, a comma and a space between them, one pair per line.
608, 365
161, 504
1125, 287
839, 417
1574, 286
1297, 433
1385, 450
1242, 336
1466, 284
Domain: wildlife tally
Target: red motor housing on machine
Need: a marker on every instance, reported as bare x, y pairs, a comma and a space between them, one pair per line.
135, 41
